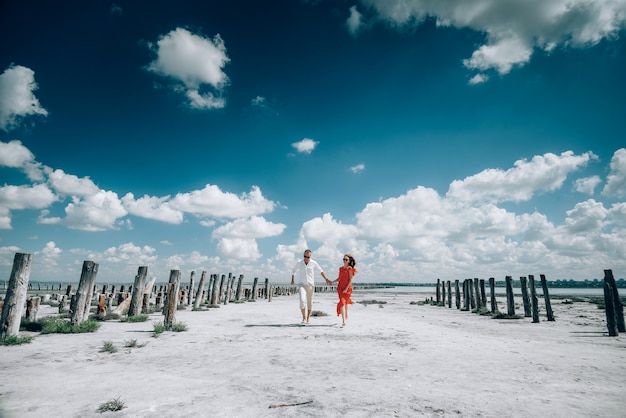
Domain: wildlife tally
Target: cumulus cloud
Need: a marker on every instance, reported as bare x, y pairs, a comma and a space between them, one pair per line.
15, 155
38, 196
97, 212
237, 239
17, 98
513, 30
194, 64
305, 146
587, 185
616, 180
71, 185
151, 207
543, 173
212, 201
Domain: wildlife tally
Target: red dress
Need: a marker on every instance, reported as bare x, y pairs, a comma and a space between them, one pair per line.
344, 280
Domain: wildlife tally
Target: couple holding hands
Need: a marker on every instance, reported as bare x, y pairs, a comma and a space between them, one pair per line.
305, 270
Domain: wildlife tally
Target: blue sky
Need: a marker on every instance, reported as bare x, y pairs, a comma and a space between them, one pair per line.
431, 140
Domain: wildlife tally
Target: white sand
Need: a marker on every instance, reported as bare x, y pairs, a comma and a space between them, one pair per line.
398, 360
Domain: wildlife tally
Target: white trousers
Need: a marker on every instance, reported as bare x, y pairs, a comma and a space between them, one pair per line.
306, 296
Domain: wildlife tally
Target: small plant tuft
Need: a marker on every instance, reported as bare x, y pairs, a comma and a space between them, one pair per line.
60, 326
108, 347
179, 327
135, 318
158, 329
15, 340
132, 344
114, 405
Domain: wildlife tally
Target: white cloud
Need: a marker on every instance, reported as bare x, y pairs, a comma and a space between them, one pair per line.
17, 99
356, 169
150, 207
587, 185
616, 180
253, 227
15, 155
306, 145
478, 79
543, 173
237, 239
97, 212
211, 201
239, 249
38, 196
513, 29
259, 101
71, 185
194, 63
354, 23
586, 217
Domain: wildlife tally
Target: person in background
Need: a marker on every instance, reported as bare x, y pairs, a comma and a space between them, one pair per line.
305, 270
344, 287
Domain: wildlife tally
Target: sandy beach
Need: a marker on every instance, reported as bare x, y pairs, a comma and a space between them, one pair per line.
395, 359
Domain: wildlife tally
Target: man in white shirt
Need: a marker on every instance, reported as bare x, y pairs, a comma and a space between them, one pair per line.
305, 270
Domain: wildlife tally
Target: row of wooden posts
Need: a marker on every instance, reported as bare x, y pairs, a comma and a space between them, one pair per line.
474, 296
134, 301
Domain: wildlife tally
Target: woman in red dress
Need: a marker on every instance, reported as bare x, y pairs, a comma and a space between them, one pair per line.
344, 286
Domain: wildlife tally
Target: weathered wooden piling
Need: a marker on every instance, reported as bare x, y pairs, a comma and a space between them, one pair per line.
477, 293
609, 309
449, 294
617, 303
492, 295
239, 288
510, 301
254, 289
32, 307
138, 289
533, 298
457, 294
546, 297
438, 291
214, 291
200, 291
172, 300
15, 295
79, 310
525, 300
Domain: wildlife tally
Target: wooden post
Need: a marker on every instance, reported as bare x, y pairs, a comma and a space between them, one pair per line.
470, 288
466, 295
221, 289
457, 294
443, 293
533, 297
449, 294
254, 290
200, 291
138, 289
190, 295
510, 301
492, 294
525, 299
619, 308
483, 296
239, 288
267, 283
32, 306
102, 306
172, 300
438, 291
82, 301
477, 293
145, 303
609, 308
546, 296
215, 291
